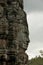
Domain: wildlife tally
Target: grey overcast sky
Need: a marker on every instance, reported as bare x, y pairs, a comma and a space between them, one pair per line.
34, 10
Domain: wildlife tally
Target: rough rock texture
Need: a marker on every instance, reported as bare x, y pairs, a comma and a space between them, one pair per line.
14, 34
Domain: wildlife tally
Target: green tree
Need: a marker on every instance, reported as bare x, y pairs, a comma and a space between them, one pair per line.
36, 61
41, 52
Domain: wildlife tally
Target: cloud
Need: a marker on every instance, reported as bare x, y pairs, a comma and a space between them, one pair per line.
34, 10
35, 22
33, 5
33, 49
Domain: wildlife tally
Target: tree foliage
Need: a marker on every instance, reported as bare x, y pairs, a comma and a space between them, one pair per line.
41, 52
36, 61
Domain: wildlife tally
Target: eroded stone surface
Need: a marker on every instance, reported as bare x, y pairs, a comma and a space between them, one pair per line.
14, 34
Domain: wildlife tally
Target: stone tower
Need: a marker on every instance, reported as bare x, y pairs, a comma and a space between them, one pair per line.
14, 34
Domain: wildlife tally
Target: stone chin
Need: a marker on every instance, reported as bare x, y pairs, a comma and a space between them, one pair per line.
25, 46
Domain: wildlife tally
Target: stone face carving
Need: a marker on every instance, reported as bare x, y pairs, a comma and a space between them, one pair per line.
14, 34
